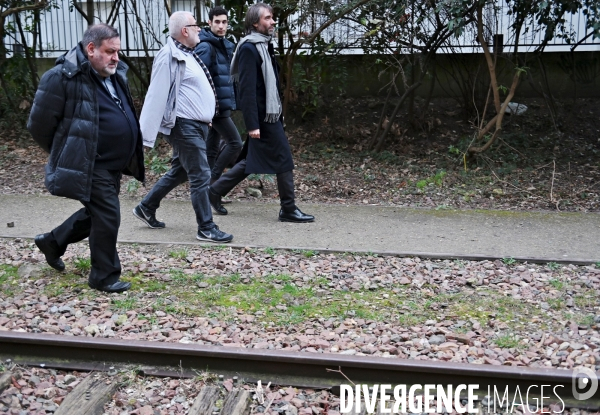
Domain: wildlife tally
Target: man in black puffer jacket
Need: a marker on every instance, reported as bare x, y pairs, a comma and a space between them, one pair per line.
83, 115
216, 52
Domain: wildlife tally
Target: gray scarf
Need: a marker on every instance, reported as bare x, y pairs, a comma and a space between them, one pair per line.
273, 100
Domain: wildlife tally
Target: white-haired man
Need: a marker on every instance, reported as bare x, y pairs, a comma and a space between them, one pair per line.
180, 103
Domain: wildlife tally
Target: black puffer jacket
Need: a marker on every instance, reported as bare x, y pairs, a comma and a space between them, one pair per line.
64, 122
216, 53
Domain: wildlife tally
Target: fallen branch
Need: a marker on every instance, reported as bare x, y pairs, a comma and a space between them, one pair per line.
509, 184
511, 147
341, 373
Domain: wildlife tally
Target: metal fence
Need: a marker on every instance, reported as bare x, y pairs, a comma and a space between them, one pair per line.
63, 26
146, 20
497, 21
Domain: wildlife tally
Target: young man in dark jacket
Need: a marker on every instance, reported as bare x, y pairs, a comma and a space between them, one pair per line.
83, 115
255, 66
216, 52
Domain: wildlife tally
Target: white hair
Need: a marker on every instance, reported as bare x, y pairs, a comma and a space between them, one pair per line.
178, 21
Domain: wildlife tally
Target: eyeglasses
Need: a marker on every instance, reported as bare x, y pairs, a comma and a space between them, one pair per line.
192, 25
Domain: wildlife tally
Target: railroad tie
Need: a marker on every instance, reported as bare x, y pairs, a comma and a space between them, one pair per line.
237, 402
6, 379
205, 401
90, 396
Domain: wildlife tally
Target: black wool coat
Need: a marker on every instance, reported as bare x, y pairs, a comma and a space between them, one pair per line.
270, 154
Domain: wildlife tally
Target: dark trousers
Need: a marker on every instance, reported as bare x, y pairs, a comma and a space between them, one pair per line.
99, 220
222, 128
285, 184
188, 163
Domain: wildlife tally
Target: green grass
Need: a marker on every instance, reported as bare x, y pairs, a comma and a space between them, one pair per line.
437, 179
126, 304
586, 320
586, 298
179, 253
219, 247
509, 261
8, 279
157, 164
8, 272
507, 341
83, 265
558, 284
553, 266
168, 307
280, 299
180, 278
556, 303
66, 283
152, 320
150, 285
421, 184
172, 309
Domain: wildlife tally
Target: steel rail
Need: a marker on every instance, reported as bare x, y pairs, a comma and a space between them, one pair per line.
317, 370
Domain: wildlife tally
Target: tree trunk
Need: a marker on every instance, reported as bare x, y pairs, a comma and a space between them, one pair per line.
496, 121
382, 118
90, 12
31, 62
393, 116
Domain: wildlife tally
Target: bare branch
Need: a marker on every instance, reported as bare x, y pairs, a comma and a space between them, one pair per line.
341, 373
13, 10
80, 10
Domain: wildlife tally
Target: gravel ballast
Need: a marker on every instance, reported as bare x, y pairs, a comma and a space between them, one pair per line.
498, 313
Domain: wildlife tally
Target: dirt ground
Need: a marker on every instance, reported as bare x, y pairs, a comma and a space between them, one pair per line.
539, 163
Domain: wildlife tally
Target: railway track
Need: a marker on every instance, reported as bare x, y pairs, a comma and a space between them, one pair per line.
307, 370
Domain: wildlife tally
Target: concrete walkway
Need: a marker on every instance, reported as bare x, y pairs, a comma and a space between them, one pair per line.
531, 236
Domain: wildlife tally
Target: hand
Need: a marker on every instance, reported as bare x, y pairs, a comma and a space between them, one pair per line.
254, 133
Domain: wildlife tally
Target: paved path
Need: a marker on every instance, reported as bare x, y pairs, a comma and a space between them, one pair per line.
533, 236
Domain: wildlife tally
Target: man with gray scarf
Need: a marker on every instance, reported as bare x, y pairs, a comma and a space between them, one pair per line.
266, 150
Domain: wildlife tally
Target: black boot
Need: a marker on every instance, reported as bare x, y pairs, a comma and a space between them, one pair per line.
295, 216
215, 202
51, 251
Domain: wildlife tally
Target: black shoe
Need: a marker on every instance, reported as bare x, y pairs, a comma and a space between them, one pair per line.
296, 216
50, 250
214, 235
215, 202
148, 218
117, 287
